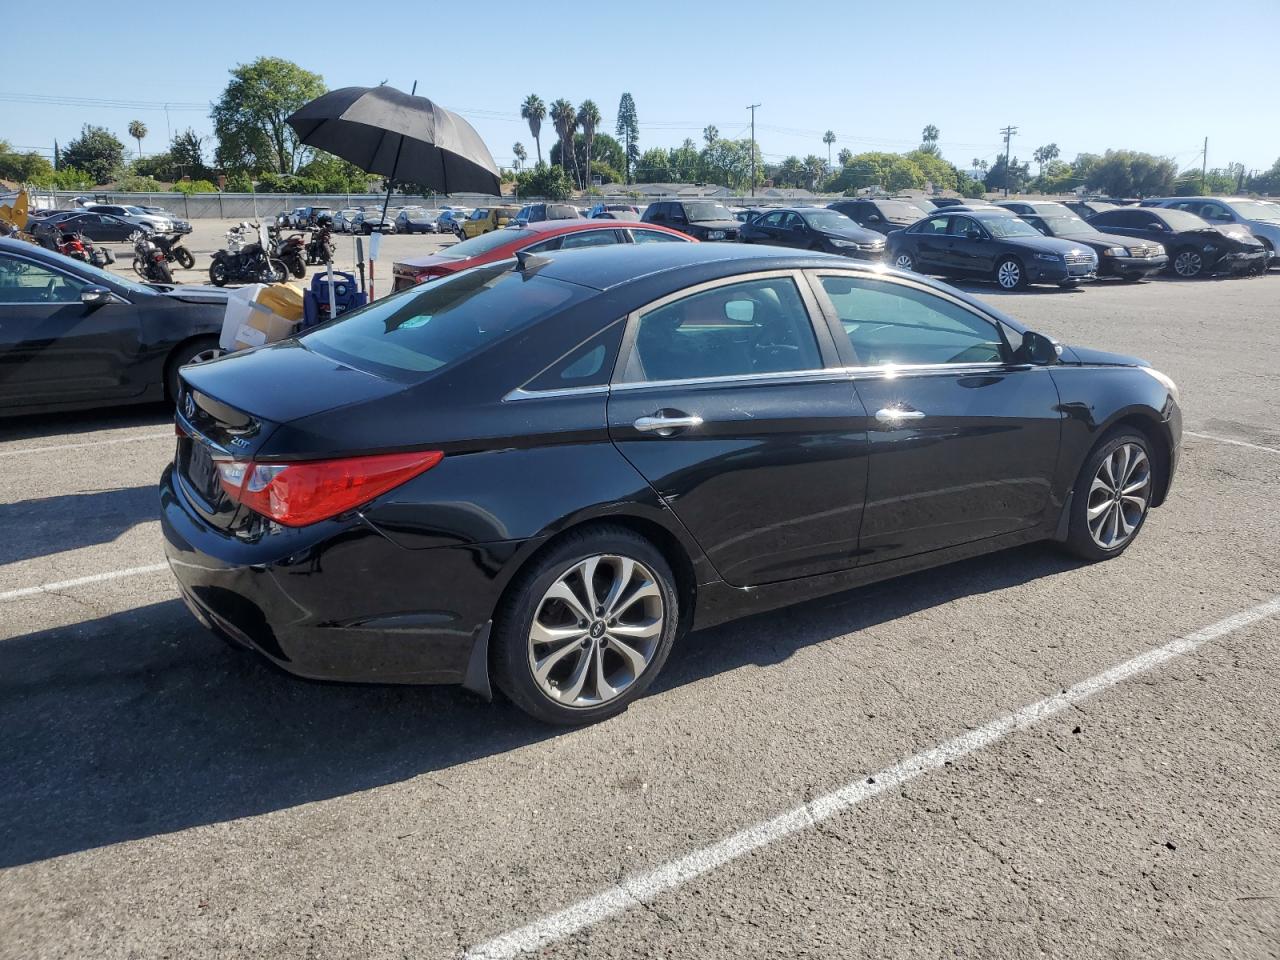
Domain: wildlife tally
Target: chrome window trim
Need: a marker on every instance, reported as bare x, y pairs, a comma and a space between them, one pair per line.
817, 325
821, 373
520, 393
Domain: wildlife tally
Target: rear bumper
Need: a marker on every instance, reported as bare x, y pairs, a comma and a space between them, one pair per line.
336, 600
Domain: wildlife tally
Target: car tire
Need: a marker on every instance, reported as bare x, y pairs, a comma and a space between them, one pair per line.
905, 261
1187, 263
589, 673
1112, 496
193, 351
1010, 274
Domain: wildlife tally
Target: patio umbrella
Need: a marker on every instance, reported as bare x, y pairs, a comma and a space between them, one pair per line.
403, 137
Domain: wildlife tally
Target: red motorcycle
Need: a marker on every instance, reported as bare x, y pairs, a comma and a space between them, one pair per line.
79, 247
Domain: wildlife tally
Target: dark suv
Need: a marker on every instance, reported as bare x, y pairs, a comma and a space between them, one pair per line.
883, 215
700, 219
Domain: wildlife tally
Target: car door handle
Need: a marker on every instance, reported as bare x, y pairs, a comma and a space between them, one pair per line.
894, 415
665, 426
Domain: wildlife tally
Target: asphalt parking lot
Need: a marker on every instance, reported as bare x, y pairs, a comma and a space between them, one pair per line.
1014, 756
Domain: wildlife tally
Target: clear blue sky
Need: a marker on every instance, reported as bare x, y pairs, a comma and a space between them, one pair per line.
1088, 75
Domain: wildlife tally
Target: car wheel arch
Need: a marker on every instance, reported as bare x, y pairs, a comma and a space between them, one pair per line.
1147, 422
176, 351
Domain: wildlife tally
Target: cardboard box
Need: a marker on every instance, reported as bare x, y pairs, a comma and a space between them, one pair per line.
263, 326
258, 314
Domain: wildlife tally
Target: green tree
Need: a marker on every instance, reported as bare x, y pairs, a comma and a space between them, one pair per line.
565, 119
22, 167
589, 119
937, 171
654, 166
187, 151
138, 130
729, 163
829, 138
534, 111
1267, 182
1015, 181
195, 186
790, 173
845, 156
710, 134
97, 152
1131, 173
64, 178
814, 170
520, 154
550, 183
929, 141
628, 131
1043, 155
604, 149
685, 162
329, 174
249, 118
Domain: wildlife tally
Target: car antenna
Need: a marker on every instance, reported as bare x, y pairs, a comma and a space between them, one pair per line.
530, 263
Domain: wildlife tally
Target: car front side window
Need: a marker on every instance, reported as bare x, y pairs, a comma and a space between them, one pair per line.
891, 324
739, 329
24, 281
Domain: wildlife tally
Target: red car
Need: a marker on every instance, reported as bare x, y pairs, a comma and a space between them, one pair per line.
538, 237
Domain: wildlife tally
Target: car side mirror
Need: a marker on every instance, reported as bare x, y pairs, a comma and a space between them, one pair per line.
973, 234
95, 296
1040, 350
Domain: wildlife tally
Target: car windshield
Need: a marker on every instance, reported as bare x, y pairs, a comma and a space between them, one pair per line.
1067, 226
1009, 227
425, 328
1051, 210
136, 211
707, 211
1255, 210
828, 220
1181, 220
484, 243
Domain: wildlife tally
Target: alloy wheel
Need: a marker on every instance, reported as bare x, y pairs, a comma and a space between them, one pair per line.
595, 631
1118, 496
1188, 264
904, 262
1009, 275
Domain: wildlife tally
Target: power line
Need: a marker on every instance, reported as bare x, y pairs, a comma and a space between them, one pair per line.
68, 101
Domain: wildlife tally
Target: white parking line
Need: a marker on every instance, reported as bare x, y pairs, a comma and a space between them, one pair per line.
24, 451
1234, 443
631, 891
82, 581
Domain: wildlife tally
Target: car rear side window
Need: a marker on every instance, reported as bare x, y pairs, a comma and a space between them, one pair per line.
739, 329
426, 328
890, 324
587, 365
654, 236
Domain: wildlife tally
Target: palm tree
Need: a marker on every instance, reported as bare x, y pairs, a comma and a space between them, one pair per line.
829, 138
520, 155
845, 157
791, 172
588, 119
138, 130
535, 111
814, 168
710, 134
565, 119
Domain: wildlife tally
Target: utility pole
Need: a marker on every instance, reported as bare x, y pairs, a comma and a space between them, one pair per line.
752, 108
1007, 133
1204, 164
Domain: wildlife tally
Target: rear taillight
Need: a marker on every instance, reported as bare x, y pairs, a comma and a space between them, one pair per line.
296, 494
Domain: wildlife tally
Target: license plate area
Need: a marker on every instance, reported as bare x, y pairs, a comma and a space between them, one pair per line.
200, 473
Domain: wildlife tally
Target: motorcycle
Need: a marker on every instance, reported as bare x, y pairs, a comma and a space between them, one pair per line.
245, 259
79, 247
320, 247
288, 250
149, 261
174, 250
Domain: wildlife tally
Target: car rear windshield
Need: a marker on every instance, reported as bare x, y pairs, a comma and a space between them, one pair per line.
424, 328
901, 210
484, 243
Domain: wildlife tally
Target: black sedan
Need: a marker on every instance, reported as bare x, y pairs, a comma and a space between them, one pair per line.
882, 214
99, 227
1196, 247
543, 472
73, 336
990, 245
1118, 256
814, 228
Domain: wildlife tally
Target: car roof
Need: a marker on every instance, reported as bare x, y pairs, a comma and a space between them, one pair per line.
554, 227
